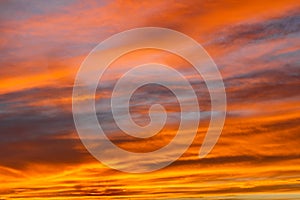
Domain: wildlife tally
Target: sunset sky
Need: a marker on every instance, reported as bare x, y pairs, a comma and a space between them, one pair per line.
256, 46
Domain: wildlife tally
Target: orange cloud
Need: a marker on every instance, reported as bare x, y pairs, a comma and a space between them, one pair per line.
255, 47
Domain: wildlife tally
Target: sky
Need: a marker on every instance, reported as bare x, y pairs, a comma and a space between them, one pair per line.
256, 46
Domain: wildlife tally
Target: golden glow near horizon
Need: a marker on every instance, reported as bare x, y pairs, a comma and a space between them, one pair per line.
255, 46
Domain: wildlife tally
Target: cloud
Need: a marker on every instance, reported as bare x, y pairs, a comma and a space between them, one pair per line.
255, 47
271, 29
